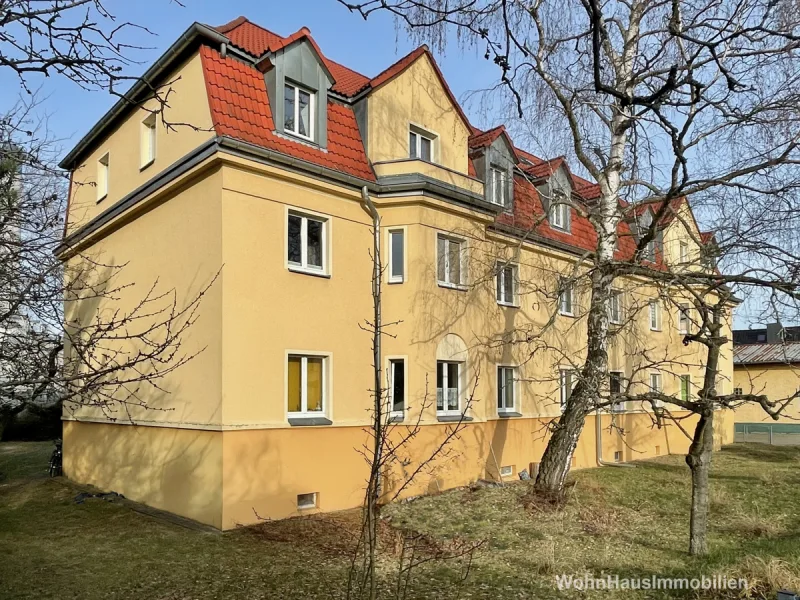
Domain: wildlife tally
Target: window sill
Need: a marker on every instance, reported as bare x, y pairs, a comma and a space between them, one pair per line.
101, 198
395, 281
453, 286
311, 272
147, 164
560, 229
396, 418
508, 304
309, 421
452, 418
508, 414
566, 314
654, 329
296, 137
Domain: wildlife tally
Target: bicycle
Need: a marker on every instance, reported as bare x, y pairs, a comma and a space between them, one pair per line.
54, 468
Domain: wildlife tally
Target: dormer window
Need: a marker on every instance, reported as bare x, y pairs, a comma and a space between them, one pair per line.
298, 113
560, 215
499, 185
420, 144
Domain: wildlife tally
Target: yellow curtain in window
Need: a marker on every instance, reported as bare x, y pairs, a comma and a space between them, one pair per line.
294, 384
314, 384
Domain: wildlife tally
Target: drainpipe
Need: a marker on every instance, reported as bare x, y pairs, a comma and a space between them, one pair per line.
376, 336
599, 442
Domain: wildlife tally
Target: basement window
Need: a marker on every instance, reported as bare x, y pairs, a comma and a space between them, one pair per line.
506, 471
306, 501
617, 456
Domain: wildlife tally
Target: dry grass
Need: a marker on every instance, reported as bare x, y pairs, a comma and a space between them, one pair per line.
630, 522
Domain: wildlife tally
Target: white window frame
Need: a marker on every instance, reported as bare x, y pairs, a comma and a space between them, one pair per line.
615, 297
499, 192
307, 506
327, 360
563, 372
303, 266
655, 377
500, 280
649, 253
683, 252
462, 257
654, 314
617, 407
507, 471
514, 408
684, 319
445, 412
420, 132
148, 141
560, 215
391, 276
390, 361
567, 291
103, 175
688, 379
312, 107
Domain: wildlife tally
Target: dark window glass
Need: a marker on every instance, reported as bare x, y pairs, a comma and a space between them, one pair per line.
452, 386
398, 385
288, 108
425, 148
412, 144
295, 225
397, 255
314, 243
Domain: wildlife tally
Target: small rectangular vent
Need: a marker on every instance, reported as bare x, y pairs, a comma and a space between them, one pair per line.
305, 501
617, 456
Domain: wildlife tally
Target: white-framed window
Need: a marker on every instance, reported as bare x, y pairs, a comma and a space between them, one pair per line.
306, 380
615, 379
420, 144
560, 214
567, 378
507, 471
499, 186
683, 252
103, 166
397, 387
650, 251
448, 387
148, 141
397, 255
506, 388
306, 242
684, 320
686, 387
655, 315
615, 307
655, 386
306, 501
298, 111
450, 253
566, 298
506, 283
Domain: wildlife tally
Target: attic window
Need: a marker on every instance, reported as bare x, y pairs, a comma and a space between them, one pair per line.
298, 114
560, 215
420, 144
499, 186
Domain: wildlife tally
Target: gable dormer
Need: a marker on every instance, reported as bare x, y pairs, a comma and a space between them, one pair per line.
494, 159
297, 85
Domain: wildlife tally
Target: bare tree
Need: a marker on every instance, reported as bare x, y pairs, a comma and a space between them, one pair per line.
66, 337
655, 101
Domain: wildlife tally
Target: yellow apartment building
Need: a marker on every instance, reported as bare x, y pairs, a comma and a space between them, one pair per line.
482, 280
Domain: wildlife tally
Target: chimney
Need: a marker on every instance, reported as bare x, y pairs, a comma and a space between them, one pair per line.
775, 333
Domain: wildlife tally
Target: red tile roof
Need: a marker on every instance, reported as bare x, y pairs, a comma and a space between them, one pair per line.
237, 95
255, 40
482, 139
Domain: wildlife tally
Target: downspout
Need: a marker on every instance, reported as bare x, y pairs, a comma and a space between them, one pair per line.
376, 323
599, 441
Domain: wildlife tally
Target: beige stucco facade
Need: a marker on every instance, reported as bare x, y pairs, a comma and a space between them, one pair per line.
218, 445
779, 382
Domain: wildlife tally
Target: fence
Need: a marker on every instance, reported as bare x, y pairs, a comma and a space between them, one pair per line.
775, 434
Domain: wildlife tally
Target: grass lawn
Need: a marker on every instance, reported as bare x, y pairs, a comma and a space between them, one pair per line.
629, 522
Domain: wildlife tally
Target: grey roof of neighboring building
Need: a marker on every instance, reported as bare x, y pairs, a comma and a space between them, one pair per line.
750, 354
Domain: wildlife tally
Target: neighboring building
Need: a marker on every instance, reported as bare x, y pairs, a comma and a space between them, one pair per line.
769, 365
268, 419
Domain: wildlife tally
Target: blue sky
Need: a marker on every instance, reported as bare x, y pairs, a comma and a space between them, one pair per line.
368, 47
